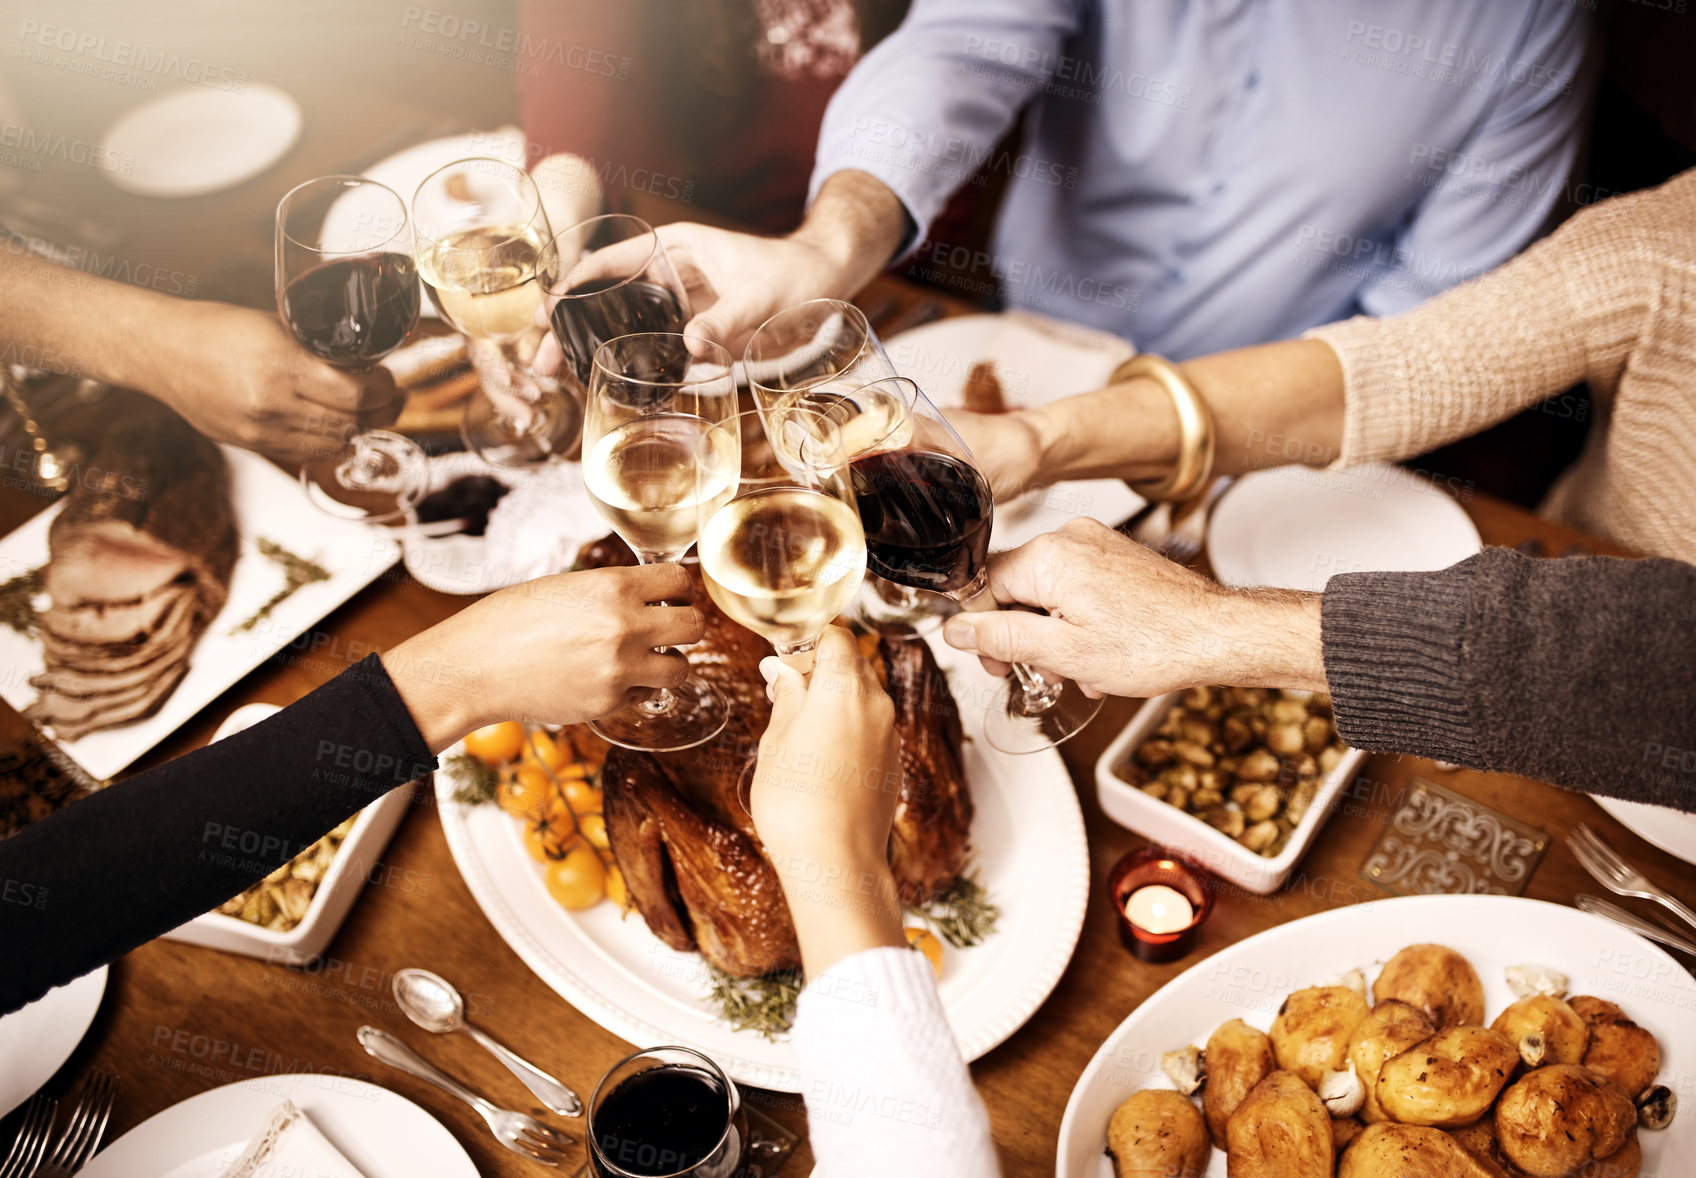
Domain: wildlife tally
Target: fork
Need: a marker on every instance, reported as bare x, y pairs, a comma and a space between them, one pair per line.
1183, 542
87, 1126
31, 1144
519, 1132
1614, 873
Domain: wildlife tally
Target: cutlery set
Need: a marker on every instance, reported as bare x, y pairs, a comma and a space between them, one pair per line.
1611, 869
432, 1003
30, 1155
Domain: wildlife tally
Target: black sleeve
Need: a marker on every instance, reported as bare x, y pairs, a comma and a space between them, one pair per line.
141, 857
1580, 671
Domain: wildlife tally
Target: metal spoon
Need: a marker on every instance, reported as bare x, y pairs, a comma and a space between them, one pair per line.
433, 1004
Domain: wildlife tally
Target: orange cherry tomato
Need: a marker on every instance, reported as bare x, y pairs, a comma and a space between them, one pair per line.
545, 750
616, 891
546, 843
926, 942
594, 829
496, 744
583, 797
577, 881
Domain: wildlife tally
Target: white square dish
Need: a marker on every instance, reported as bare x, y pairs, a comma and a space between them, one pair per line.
1171, 827
337, 891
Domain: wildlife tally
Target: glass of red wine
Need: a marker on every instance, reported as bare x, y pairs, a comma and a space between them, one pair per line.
347, 290
611, 278
666, 1111
927, 513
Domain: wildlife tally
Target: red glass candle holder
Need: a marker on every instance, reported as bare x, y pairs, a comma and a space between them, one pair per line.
1158, 868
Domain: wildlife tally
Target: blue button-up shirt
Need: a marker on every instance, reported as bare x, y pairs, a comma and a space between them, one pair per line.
1209, 174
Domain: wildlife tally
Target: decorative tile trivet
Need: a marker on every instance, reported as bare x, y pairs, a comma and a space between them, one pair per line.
1438, 841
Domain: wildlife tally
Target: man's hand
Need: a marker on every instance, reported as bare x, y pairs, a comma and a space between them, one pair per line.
1123, 620
1006, 447
239, 377
556, 650
823, 799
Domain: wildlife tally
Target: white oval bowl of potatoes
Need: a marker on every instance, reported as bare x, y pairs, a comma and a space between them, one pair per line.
1418, 1037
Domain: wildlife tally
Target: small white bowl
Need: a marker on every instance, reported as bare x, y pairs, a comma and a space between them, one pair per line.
1169, 826
336, 892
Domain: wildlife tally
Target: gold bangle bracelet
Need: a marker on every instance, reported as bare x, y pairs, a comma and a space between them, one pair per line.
1195, 429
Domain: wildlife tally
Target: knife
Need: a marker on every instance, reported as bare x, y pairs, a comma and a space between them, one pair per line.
1597, 906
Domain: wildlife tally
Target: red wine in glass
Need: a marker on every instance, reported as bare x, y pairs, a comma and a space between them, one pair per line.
602, 309
351, 312
927, 519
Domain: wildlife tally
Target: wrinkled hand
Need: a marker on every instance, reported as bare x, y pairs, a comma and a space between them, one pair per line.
736, 281
1005, 446
253, 386
556, 650
1123, 620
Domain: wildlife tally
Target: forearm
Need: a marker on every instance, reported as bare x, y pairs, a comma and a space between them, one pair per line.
1264, 638
143, 856
842, 903
1272, 405
857, 223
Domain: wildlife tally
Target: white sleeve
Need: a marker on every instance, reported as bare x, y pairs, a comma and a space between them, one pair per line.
886, 1089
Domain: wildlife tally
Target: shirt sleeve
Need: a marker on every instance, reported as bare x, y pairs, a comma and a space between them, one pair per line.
139, 858
924, 108
1514, 664
1571, 308
886, 1089
1497, 191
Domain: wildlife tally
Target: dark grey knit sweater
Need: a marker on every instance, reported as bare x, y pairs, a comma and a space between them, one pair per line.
1579, 671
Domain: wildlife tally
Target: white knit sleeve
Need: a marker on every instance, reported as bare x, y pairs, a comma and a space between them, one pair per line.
886, 1089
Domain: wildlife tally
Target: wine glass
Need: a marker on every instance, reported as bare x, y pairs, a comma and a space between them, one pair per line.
927, 512
610, 277
820, 352
653, 399
482, 248
785, 554
667, 1110
347, 290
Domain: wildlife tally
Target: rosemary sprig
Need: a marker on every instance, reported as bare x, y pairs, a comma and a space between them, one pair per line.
297, 572
764, 1004
16, 610
962, 913
474, 782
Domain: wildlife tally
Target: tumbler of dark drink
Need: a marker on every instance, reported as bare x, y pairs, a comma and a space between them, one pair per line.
667, 1111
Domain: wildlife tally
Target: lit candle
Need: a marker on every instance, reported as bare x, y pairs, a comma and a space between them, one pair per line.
1160, 909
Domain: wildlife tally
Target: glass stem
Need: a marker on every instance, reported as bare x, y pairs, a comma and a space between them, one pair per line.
1035, 695
800, 655
661, 700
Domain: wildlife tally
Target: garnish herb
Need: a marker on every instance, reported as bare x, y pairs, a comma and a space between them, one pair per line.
474, 782
16, 609
297, 573
962, 913
764, 1004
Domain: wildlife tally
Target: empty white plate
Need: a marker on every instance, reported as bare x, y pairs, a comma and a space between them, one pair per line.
195, 140
37, 1040
1294, 527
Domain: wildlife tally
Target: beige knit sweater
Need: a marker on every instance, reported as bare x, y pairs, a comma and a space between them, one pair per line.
1609, 299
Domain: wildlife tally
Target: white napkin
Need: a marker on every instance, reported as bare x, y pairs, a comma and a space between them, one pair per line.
290, 1145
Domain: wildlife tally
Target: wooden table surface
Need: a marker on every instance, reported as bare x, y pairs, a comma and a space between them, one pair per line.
178, 1020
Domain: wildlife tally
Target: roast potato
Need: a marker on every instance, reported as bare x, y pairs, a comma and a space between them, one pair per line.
1565, 1035
1479, 1140
1280, 1130
1619, 1049
1310, 1035
1387, 1150
1389, 1028
1449, 1079
1555, 1119
1158, 1133
1238, 1057
1624, 1162
1437, 980
1344, 1130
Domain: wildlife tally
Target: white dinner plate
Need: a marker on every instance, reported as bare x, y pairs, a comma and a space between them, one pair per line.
1037, 360
1252, 978
36, 1041
1027, 846
1294, 527
269, 505
381, 1133
200, 139
1673, 831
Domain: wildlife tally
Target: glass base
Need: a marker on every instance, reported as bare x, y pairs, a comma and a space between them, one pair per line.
377, 477
696, 714
551, 426
1013, 727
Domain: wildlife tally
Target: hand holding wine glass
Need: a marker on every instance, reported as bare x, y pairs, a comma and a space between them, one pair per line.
654, 399
347, 290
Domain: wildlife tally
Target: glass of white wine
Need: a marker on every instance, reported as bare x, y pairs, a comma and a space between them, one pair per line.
785, 554
650, 452
481, 241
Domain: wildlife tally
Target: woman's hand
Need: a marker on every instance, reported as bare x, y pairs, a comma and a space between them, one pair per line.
237, 375
823, 799
1007, 448
556, 650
